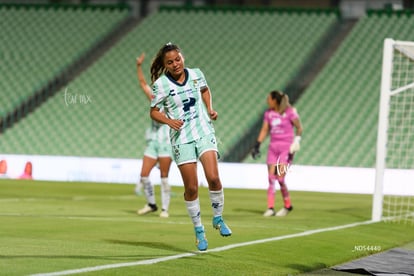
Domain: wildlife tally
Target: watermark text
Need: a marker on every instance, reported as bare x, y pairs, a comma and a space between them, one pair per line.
75, 98
364, 247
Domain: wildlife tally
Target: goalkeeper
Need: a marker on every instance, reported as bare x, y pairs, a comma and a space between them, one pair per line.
279, 121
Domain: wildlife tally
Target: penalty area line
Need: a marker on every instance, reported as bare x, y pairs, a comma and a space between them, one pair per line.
190, 254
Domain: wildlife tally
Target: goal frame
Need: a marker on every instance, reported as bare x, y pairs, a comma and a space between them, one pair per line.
386, 93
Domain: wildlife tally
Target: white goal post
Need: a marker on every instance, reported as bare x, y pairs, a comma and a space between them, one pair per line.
395, 149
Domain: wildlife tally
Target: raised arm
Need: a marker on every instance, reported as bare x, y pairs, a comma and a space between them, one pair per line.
142, 82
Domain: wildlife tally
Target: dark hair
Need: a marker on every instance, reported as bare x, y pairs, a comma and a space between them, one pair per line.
157, 66
282, 100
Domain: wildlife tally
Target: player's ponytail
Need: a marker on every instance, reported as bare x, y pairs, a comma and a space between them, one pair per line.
284, 103
157, 66
282, 100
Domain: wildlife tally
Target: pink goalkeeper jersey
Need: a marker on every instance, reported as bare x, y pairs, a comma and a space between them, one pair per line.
281, 128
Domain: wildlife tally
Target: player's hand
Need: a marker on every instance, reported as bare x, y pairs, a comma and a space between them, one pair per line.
255, 152
213, 115
140, 59
295, 146
175, 124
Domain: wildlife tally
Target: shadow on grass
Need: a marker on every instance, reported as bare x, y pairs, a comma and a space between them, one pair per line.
307, 268
130, 211
251, 211
155, 214
353, 212
83, 257
155, 245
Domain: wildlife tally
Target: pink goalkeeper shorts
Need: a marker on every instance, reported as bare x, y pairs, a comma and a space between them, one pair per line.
278, 153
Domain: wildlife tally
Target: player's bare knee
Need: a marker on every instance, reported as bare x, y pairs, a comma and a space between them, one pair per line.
191, 192
214, 183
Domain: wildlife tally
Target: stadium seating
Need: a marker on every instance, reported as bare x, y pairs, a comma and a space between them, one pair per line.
340, 108
39, 41
244, 55
103, 113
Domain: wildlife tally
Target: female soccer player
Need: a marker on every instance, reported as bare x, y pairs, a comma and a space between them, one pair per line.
279, 122
186, 97
158, 150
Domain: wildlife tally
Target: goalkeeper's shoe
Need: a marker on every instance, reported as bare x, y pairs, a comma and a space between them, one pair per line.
148, 208
284, 211
201, 241
219, 224
269, 212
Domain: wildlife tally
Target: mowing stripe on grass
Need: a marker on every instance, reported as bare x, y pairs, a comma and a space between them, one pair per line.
190, 254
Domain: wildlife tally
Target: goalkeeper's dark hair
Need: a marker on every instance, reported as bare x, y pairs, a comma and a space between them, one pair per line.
157, 66
282, 100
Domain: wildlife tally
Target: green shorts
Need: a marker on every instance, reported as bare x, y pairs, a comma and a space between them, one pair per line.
190, 152
155, 149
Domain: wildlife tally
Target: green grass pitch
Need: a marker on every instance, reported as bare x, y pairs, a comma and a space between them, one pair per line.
57, 226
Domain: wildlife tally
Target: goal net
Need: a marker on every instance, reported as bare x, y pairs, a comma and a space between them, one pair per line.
394, 180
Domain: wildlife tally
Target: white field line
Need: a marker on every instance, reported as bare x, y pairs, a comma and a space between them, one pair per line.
118, 219
190, 254
74, 198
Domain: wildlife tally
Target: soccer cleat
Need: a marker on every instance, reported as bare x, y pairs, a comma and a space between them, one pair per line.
269, 212
147, 209
164, 214
201, 241
219, 224
284, 211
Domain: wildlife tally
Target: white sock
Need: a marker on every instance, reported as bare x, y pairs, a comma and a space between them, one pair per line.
165, 193
148, 190
193, 208
217, 202
138, 188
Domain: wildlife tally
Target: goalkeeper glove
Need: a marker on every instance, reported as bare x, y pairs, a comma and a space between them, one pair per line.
295, 146
256, 150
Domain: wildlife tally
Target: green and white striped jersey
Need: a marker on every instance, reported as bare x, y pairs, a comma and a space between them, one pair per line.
160, 132
184, 102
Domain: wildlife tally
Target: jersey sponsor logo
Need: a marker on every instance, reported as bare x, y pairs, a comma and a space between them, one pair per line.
188, 103
176, 151
213, 141
276, 122
190, 116
187, 91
